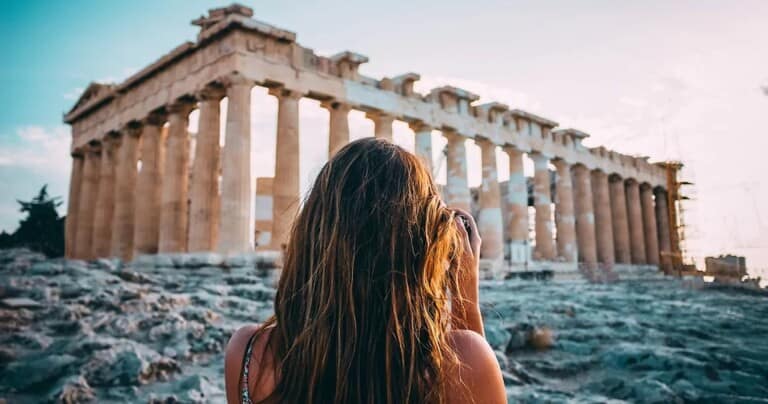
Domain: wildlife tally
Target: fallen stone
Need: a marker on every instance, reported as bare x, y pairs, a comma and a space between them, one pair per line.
20, 303
74, 389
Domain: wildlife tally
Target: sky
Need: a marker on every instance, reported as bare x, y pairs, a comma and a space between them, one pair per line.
667, 79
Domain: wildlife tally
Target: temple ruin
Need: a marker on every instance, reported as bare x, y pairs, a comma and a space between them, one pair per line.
131, 193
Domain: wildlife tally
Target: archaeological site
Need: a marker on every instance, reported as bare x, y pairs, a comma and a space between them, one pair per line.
138, 187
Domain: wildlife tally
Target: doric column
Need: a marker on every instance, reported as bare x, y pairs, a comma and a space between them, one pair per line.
649, 225
585, 217
564, 213
382, 124
73, 203
235, 235
665, 239
517, 208
204, 189
105, 201
490, 220
149, 185
173, 197
457, 188
423, 140
286, 184
635, 214
338, 120
125, 192
545, 248
87, 204
603, 223
620, 221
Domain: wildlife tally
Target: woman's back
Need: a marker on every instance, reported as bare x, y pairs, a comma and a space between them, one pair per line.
378, 286
248, 349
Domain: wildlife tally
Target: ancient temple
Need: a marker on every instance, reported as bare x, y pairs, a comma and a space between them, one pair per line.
133, 190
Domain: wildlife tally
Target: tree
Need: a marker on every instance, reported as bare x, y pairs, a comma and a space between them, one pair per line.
42, 230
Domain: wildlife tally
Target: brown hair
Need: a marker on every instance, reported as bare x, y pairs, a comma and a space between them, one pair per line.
361, 311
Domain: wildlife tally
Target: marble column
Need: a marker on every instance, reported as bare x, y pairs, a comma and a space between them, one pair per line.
125, 192
603, 223
423, 143
457, 188
174, 209
149, 185
286, 185
585, 217
236, 214
517, 208
621, 244
204, 189
545, 247
649, 225
564, 212
338, 131
105, 201
382, 124
635, 213
87, 204
73, 203
665, 238
490, 220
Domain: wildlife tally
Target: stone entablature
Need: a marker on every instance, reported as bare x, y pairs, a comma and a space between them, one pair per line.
231, 41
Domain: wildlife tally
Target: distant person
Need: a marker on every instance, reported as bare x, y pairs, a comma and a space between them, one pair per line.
378, 297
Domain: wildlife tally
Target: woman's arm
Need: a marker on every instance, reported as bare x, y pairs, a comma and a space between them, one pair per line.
466, 307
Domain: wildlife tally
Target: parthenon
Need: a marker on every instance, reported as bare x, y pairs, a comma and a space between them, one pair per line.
137, 189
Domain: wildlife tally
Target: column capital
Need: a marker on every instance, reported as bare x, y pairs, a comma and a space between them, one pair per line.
211, 92
93, 147
132, 128
540, 160
512, 149
419, 126
235, 79
536, 154
182, 106
379, 116
285, 93
484, 142
156, 118
336, 105
560, 163
452, 136
615, 178
631, 181
111, 140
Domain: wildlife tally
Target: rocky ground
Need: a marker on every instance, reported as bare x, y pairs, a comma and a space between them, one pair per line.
154, 331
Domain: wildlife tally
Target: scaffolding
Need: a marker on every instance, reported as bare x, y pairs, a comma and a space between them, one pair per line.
676, 196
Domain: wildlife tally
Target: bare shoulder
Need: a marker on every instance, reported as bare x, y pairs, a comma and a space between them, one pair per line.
479, 372
235, 354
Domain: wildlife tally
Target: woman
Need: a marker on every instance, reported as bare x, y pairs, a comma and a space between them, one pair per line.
378, 297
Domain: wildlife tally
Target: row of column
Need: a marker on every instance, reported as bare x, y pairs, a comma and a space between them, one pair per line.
599, 219
117, 210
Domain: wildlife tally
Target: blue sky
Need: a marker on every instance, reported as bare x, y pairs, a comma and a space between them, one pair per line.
667, 79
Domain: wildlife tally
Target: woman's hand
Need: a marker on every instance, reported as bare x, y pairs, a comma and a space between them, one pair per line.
466, 308
471, 237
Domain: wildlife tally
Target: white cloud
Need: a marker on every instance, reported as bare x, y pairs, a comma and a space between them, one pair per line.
74, 94
44, 149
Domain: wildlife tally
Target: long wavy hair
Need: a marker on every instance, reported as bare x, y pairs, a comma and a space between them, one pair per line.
361, 311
